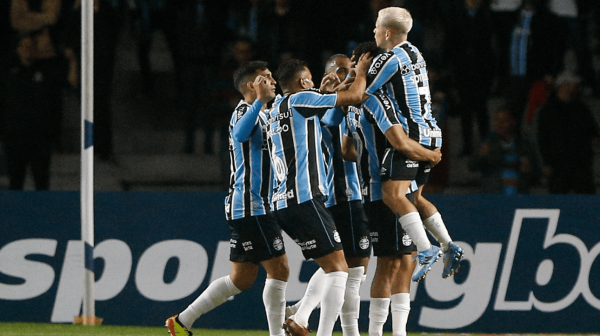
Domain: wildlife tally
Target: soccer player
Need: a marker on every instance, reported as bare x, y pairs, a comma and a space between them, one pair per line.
294, 135
248, 213
366, 144
401, 74
345, 205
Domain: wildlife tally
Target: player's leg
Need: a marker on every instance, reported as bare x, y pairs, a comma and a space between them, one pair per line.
274, 292
399, 175
353, 227
434, 223
381, 288
310, 224
242, 277
394, 196
400, 298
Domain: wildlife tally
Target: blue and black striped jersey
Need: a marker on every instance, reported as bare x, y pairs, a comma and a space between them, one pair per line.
370, 145
294, 134
250, 179
343, 183
401, 74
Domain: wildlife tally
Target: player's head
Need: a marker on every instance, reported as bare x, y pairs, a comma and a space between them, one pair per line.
338, 64
247, 73
293, 76
392, 26
366, 47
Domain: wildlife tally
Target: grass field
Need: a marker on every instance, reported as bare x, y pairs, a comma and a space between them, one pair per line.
9, 329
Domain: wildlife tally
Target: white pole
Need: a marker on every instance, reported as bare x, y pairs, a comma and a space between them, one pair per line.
87, 157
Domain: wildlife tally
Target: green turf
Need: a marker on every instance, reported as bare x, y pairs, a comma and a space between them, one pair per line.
10, 329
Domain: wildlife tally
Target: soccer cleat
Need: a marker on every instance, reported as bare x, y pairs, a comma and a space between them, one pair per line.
294, 329
425, 260
452, 259
176, 328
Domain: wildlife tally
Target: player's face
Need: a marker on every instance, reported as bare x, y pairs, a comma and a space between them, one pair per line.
379, 33
267, 73
341, 67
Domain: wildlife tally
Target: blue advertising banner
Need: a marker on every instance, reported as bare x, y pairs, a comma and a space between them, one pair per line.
531, 263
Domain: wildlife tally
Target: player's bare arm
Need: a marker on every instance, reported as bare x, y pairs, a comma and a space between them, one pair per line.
355, 93
410, 148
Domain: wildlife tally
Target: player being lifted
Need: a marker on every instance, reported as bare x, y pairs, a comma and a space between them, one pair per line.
247, 210
401, 74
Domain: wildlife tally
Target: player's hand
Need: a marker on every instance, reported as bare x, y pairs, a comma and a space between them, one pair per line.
329, 81
343, 86
437, 156
265, 89
364, 62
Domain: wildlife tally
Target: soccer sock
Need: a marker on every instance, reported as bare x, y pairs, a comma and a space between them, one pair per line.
274, 300
351, 307
435, 225
378, 313
400, 308
213, 296
332, 300
311, 298
411, 223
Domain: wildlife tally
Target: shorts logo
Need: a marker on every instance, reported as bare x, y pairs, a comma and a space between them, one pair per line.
406, 241
278, 244
247, 245
411, 164
309, 245
336, 236
232, 243
364, 243
374, 237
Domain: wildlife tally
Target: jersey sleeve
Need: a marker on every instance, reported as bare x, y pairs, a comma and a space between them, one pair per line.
333, 116
313, 102
382, 111
245, 121
380, 72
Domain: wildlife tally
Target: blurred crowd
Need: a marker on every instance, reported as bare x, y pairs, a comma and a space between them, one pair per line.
477, 49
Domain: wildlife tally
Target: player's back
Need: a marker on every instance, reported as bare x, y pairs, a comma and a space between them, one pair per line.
401, 74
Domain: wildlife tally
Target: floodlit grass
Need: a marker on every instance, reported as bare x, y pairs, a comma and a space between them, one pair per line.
30, 329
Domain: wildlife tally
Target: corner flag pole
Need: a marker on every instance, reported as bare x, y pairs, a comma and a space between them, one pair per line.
87, 160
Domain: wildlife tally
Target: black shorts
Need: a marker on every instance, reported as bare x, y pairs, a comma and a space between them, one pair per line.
353, 226
311, 226
397, 167
387, 235
255, 239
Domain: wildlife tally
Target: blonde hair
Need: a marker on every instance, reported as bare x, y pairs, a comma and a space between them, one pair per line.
396, 18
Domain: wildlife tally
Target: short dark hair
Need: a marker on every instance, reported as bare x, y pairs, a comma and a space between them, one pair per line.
287, 70
244, 72
367, 47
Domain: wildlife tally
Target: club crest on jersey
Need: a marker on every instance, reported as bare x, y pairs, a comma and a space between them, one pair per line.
278, 244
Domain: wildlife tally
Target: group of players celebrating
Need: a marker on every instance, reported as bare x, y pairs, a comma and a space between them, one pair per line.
341, 170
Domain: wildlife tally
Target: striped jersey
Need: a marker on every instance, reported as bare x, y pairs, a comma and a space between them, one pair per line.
343, 183
402, 75
250, 178
370, 145
294, 138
